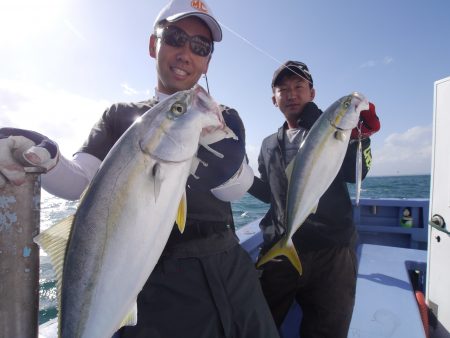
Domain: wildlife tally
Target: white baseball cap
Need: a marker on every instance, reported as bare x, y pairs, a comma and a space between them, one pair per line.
179, 9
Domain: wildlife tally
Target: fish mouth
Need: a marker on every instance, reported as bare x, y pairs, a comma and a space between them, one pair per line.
358, 95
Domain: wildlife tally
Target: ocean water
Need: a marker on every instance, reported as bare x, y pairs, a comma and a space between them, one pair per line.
245, 210
417, 186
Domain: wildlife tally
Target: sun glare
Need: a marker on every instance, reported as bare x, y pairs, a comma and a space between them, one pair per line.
24, 19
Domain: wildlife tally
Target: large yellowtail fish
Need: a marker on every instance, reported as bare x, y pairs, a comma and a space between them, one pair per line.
314, 168
126, 215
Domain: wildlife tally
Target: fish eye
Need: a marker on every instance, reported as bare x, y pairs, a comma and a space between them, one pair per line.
347, 102
177, 109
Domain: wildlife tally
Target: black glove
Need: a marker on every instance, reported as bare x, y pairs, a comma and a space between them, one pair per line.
20, 148
218, 164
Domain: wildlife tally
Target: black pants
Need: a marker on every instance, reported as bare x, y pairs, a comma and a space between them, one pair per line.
217, 295
325, 291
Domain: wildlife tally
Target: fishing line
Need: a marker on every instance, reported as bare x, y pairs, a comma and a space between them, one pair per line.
207, 85
259, 49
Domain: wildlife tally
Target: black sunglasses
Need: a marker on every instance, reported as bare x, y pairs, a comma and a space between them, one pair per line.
176, 37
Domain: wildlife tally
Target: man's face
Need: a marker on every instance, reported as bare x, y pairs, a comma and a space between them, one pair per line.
178, 67
291, 95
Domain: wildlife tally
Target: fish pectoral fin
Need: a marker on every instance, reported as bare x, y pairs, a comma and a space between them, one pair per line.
54, 242
181, 213
156, 177
131, 317
279, 249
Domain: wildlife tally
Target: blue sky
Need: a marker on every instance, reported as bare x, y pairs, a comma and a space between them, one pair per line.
62, 62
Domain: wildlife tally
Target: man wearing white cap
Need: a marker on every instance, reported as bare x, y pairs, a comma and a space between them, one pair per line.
205, 284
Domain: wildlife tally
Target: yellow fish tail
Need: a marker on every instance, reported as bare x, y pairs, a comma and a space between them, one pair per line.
282, 248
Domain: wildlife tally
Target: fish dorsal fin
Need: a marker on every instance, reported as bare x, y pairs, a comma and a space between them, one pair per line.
181, 213
54, 242
289, 170
131, 317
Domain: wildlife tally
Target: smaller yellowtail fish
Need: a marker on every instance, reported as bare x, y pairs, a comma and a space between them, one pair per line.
105, 254
314, 168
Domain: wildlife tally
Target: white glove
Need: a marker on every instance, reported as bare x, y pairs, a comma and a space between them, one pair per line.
236, 187
21, 148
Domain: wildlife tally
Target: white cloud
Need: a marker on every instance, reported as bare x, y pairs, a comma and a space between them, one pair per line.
127, 90
130, 91
387, 60
67, 119
406, 153
62, 116
368, 64
373, 63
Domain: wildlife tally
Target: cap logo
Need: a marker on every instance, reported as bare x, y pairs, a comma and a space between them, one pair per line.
199, 5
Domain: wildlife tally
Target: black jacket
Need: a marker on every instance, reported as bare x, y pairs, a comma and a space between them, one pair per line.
332, 224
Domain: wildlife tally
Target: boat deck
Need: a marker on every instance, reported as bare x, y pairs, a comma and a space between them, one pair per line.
392, 265
385, 304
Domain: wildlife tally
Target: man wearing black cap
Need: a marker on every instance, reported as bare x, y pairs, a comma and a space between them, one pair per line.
205, 284
326, 241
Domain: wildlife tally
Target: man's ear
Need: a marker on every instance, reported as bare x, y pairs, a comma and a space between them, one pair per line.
152, 46
313, 94
274, 101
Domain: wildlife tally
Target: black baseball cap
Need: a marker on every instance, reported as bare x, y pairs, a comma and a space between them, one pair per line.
291, 67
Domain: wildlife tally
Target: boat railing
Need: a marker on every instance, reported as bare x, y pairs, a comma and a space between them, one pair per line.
383, 221
393, 222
